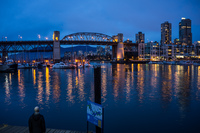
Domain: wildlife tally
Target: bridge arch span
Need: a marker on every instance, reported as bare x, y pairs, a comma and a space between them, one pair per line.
88, 36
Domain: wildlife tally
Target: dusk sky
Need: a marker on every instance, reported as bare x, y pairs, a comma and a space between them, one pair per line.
28, 18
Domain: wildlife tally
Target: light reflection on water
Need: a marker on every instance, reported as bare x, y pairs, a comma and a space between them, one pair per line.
140, 83
40, 88
69, 88
47, 85
21, 90
166, 86
198, 84
56, 87
7, 90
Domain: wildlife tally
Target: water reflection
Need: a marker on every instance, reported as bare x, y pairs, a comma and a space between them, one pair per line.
104, 84
56, 87
155, 70
128, 83
40, 88
182, 86
198, 84
80, 83
166, 90
7, 90
21, 88
47, 85
70, 96
140, 83
34, 76
118, 83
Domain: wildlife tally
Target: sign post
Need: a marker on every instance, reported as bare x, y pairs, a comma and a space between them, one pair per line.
97, 89
95, 114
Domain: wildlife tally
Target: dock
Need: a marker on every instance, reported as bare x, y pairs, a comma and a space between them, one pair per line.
23, 129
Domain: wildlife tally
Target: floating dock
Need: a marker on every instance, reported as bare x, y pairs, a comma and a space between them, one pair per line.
22, 129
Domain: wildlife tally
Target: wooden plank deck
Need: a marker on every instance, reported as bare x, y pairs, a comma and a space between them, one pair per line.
22, 129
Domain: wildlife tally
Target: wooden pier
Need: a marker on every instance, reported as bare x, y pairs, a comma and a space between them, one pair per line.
22, 129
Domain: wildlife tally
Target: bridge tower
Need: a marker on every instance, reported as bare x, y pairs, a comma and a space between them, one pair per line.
56, 46
120, 47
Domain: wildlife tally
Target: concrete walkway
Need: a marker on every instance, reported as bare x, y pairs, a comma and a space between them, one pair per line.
22, 129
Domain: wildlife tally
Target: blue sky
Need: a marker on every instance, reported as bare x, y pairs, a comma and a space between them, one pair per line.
28, 18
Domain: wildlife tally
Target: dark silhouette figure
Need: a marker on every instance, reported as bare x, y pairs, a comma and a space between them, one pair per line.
36, 122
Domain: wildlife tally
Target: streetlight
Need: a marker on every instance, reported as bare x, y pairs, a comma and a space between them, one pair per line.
6, 38
18, 37
46, 38
21, 38
39, 36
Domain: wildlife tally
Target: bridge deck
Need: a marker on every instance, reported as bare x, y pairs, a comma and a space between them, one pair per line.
22, 129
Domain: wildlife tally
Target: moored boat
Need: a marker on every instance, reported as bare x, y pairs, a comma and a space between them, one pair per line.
87, 65
185, 62
155, 62
169, 62
62, 65
8, 67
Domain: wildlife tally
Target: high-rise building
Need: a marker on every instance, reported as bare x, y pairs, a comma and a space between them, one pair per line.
185, 35
139, 37
166, 33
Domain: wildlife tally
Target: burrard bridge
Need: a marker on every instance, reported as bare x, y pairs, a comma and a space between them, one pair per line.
83, 38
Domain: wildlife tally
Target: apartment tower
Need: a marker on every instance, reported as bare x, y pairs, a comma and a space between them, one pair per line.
185, 35
166, 33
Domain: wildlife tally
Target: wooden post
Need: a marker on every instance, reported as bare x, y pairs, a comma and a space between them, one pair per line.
97, 89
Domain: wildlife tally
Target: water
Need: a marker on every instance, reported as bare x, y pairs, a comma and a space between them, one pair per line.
137, 98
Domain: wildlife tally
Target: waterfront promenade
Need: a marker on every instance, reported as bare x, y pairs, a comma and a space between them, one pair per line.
23, 129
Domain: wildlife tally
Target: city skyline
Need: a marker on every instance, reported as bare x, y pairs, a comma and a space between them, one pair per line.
30, 19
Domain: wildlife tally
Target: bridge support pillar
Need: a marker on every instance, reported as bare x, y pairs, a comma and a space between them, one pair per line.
114, 52
56, 46
120, 47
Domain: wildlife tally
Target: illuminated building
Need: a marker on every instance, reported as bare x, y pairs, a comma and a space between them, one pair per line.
139, 37
176, 41
168, 51
166, 33
185, 35
144, 51
155, 51
198, 48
